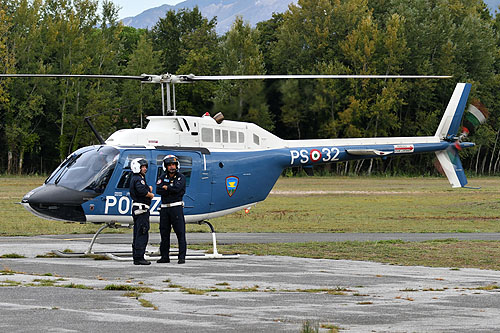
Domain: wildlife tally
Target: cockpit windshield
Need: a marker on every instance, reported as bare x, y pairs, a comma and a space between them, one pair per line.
86, 169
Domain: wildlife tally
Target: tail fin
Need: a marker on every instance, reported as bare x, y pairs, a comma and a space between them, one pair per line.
452, 167
447, 130
452, 117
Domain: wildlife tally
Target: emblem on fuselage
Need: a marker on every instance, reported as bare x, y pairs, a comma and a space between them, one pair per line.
231, 185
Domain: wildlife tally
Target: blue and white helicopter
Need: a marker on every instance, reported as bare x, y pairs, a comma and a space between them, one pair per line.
221, 159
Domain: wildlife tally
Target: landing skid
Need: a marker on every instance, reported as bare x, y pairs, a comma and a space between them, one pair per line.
127, 255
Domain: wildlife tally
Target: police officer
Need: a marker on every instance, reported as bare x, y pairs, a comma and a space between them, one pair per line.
141, 195
171, 186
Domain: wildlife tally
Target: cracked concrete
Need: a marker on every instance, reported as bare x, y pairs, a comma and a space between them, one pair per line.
283, 293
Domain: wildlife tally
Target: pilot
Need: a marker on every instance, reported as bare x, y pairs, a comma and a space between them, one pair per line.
141, 195
171, 186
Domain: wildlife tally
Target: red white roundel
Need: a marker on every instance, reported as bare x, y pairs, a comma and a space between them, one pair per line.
315, 155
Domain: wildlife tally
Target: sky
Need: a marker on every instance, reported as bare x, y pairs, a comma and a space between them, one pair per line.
135, 7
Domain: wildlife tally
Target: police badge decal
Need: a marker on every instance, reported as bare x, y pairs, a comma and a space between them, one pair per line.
231, 185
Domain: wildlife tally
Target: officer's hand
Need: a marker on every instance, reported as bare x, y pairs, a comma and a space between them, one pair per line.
150, 195
165, 187
150, 188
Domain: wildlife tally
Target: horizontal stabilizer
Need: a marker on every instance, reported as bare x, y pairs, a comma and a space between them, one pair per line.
452, 167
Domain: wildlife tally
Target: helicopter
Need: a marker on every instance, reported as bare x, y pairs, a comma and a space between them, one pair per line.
221, 159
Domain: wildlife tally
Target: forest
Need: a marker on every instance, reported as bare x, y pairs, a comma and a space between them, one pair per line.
42, 118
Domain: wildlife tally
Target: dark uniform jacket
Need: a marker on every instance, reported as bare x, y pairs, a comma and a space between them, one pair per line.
176, 187
138, 189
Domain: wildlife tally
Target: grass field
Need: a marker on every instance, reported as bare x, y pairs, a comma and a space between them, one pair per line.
316, 204
437, 253
333, 204
368, 204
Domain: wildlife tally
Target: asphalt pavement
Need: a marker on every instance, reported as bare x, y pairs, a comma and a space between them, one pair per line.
249, 294
231, 238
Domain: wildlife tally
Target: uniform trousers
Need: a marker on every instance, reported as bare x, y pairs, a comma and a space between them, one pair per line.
172, 217
141, 235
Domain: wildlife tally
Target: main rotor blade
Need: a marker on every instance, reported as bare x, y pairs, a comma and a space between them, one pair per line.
274, 77
170, 78
82, 76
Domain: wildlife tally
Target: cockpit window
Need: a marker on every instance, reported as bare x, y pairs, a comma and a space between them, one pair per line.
69, 159
88, 170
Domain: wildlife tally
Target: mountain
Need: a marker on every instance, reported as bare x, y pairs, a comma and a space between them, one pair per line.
252, 11
493, 5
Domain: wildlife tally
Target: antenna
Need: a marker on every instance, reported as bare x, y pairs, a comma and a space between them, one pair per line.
96, 133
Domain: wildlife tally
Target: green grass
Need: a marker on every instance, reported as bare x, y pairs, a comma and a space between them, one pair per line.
126, 287
365, 204
12, 256
75, 286
17, 221
439, 253
43, 283
346, 204
336, 204
147, 304
9, 283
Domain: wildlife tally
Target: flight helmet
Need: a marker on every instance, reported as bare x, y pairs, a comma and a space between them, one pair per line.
170, 159
137, 163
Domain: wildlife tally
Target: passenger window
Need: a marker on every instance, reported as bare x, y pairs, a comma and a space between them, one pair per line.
207, 135
241, 137
225, 138
232, 137
256, 139
217, 135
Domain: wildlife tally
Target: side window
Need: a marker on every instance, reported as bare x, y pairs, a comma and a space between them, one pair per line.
186, 163
225, 137
217, 135
124, 181
207, 135
130, 157
256, 139
232, 137
241, 137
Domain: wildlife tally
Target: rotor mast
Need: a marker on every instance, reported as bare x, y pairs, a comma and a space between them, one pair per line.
167, 83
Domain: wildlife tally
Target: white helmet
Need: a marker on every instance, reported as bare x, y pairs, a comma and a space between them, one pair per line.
170, 159
137, 163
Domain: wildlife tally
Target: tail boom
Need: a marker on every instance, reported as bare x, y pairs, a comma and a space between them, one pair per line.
444, 143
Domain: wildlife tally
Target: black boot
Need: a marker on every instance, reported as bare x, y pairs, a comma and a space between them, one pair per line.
141, 262
163, 260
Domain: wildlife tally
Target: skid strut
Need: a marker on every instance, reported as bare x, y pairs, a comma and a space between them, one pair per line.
92, 242
215, 254
127, 255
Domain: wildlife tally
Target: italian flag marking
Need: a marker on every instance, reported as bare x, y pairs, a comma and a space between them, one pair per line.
315, 155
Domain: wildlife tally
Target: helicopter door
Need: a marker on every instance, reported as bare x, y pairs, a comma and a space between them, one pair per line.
118, 201
197, 196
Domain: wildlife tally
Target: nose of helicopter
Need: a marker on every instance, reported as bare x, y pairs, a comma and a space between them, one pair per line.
56, 202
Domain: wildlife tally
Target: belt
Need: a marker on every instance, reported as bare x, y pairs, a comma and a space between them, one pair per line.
140, 205
141, 208
173, 204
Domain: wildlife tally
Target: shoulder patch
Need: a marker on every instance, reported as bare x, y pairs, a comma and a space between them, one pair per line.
158, 182
142, 182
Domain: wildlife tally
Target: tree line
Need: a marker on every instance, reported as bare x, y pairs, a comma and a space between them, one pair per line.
42, 119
